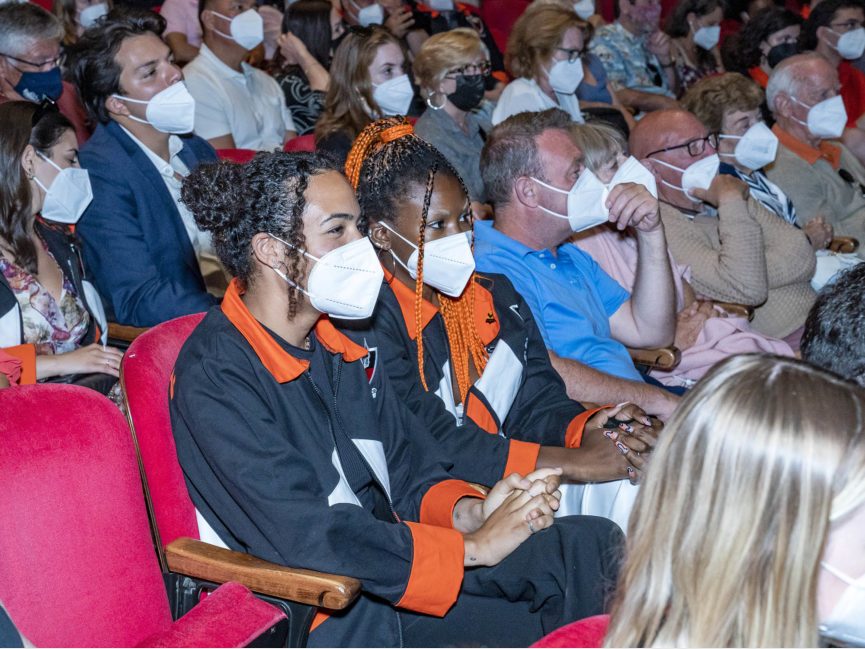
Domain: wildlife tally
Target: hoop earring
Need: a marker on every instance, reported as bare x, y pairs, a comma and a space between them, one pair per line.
432, 105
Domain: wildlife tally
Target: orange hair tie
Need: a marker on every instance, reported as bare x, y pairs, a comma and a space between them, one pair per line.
396, 132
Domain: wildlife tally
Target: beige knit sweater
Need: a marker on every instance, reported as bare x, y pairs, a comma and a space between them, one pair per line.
819, 189
747, 255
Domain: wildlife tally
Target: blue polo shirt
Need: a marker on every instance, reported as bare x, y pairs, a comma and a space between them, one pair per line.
571, 297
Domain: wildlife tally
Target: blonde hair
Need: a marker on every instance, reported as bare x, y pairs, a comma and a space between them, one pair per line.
446, 51
600, 144
535, 36
727, 532
713, 97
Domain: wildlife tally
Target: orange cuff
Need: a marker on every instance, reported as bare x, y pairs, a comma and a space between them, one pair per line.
436, 570
574, 434
437, 506
522, 457
27, 355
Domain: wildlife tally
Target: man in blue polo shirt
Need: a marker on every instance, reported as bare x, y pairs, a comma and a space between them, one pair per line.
529, 164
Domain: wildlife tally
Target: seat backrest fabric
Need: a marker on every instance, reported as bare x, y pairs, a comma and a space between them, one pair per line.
77, 566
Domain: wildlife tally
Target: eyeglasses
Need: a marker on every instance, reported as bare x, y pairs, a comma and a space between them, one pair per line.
45, 106
573, 54
695, 147
50, 63
470, 70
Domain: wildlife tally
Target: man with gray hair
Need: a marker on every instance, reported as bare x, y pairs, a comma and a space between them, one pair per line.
30, 62
820, 175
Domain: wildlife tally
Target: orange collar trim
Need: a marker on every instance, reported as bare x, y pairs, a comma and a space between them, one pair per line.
405, 297
282, 365
828, 151
759, 75
486, 319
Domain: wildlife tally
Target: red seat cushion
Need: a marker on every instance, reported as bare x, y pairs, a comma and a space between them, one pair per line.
301, 143
588, 632
77, 566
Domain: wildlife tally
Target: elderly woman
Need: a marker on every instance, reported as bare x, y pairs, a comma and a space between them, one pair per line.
695, 26
546, 55
729, 104
451, 70
767, 39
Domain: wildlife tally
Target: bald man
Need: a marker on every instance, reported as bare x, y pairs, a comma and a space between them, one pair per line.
738, 251
820, 176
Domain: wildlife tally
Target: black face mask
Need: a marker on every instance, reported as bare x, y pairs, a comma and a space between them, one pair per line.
469, 92
781, 52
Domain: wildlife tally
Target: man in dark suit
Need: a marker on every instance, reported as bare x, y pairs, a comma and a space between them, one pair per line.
140, 242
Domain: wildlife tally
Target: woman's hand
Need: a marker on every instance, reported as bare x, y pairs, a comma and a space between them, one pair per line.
91, 359
819, 233
399, 22
515, 520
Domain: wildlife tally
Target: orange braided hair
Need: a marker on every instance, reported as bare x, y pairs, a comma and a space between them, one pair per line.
383, 154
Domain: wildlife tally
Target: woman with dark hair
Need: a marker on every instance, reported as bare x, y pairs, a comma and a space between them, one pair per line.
463, 345
315, 462
309, 27
767, 39
695, 26
368, 80
46, 303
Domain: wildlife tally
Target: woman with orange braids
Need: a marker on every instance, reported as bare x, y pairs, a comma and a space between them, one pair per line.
460, 343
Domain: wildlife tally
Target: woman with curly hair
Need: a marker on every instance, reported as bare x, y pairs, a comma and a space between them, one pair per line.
749, 528
296, 449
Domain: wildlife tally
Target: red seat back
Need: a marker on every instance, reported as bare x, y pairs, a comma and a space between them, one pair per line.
146, 372
301, 143
77, 566
236, 155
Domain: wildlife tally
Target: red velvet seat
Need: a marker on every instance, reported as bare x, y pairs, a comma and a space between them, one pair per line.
77, 566
588, 632
301, 143
236, 155
146, 375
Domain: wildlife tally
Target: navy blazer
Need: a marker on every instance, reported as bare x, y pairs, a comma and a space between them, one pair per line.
135, 244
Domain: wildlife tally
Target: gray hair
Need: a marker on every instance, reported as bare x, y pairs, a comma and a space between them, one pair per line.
511, 151
22, 24
787, 77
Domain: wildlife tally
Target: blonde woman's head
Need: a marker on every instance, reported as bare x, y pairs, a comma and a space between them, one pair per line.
446, 53
726, 537
604, 148
537, 35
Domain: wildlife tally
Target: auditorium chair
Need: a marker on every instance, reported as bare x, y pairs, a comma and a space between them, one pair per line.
77, 566
189, 563
300, 143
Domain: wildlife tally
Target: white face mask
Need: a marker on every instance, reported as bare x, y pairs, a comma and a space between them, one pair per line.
371, 15
631, 171
850, 44
846, 622
89, 15
698, 175
448, 262
585, 9
345, 282
247, 28
756, 148
826, 119
394, 95
67, 196
587, 202
440, 5
169, 111
565, 76
707, 37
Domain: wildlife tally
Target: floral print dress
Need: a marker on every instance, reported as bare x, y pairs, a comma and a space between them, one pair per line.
52, 327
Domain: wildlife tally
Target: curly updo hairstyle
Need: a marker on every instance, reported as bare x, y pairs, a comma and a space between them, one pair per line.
234, 202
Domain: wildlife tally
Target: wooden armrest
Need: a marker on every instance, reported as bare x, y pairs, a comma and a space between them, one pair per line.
844, 244
663, 358
204, 561
740, 310
125, 333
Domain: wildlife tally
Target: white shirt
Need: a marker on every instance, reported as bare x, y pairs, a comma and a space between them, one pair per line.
248, 105
201, 241
525, 96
